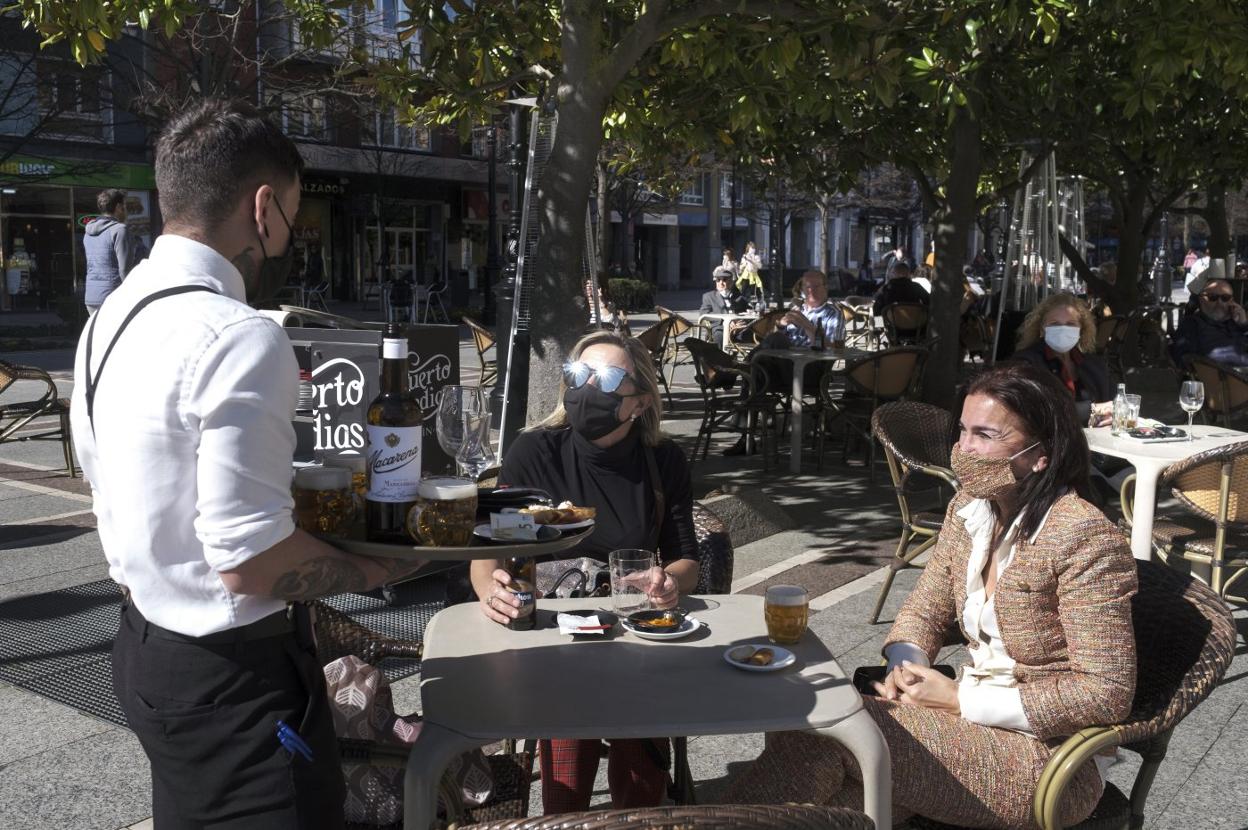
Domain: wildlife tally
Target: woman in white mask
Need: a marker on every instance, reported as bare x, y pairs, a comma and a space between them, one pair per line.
1059, 336
1038, 583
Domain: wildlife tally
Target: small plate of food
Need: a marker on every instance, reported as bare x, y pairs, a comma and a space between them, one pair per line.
759, 657
544, 534
671, 624
566, 517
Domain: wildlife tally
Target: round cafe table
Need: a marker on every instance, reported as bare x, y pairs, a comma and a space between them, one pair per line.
726, 320
1149, 458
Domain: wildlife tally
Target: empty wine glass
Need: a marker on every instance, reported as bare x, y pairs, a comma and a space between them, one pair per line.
463, 425
1191, 398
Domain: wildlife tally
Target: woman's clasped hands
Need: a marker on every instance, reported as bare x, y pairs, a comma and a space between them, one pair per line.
915, 685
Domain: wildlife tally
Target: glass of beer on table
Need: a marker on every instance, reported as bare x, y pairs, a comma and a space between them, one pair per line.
786, 609
445, 512
324, 499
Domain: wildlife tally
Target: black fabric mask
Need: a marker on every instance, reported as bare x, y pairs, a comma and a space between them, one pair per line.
274, 270
592, 412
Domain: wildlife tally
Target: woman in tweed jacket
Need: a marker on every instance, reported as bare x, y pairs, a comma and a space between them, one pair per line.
1039, 583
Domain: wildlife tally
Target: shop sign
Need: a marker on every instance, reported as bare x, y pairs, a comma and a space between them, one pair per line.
316, 186
27, 168
85, 172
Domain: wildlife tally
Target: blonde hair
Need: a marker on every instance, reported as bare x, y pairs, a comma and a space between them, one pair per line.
1032, 330
644, 373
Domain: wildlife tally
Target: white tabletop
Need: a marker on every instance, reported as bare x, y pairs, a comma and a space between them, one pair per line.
1149, 458
727, 318
483, 680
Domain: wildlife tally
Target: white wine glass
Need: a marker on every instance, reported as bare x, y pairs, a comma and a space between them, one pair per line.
1191, 398
463, 427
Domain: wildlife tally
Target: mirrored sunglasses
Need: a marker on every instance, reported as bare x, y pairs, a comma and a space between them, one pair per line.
577, 373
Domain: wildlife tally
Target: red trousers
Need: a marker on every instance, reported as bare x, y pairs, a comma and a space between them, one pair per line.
569, 767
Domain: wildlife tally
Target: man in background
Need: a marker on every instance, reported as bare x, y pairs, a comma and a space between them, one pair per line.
110, 247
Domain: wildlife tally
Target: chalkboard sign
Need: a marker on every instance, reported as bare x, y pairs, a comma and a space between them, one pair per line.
339, 374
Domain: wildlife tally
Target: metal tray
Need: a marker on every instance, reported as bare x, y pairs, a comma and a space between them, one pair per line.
483, 550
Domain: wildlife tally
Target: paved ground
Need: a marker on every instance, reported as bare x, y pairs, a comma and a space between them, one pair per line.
63, 769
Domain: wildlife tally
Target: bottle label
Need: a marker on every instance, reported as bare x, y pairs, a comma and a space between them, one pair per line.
393, 349
393, 463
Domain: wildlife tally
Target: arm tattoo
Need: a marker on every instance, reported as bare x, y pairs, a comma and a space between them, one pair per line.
320, 577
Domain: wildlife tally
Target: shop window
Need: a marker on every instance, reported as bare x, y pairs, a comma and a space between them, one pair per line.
694, 193
36, 200
391, 132
726, 193
72, 99
305, 117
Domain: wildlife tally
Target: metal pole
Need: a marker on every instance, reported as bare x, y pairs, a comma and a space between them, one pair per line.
491, 244
507, 284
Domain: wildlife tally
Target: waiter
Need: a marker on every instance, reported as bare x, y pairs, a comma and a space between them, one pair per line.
182, 418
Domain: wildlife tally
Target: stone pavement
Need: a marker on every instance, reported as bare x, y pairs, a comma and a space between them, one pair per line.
832, 530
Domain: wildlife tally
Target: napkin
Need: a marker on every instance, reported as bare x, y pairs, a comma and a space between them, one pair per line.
569, 623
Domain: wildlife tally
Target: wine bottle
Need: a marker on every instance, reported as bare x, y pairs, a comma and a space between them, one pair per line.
395, 422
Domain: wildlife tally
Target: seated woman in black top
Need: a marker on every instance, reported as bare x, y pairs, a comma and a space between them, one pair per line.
602, 448
1058, 336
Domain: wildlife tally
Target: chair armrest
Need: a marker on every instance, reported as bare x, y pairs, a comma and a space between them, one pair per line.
944, 474
1077, 750
1126, 495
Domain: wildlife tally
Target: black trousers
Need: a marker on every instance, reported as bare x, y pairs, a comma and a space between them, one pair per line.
206, 712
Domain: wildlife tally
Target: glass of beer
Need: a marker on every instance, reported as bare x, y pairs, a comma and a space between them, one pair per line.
786, 609
359, 476
445, 512
324, 500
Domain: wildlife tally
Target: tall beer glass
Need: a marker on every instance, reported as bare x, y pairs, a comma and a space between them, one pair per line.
786, 610
445, 512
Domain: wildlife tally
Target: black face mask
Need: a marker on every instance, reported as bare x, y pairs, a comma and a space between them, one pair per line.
274, 270
592, 412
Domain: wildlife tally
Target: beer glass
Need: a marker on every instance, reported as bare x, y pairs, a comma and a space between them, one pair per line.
324, 499
359, 476
786, 609
445, 512
630, 572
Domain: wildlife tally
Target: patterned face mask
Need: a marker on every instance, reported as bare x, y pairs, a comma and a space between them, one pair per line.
983, 477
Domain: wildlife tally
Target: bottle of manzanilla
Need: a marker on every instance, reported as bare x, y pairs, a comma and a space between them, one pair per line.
521, 569
395, 422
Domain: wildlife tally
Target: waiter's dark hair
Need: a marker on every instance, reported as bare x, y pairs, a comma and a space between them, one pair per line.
215, 151
1047, 414
108, 200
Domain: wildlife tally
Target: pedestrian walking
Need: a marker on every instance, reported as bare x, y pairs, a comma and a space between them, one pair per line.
182, 419
111, 249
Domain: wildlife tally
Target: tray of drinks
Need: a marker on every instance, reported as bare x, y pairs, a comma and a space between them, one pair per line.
479, 549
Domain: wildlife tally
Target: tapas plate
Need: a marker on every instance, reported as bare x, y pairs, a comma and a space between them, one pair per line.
545, 533
738, 656
687, 627
1157, 433
570, 526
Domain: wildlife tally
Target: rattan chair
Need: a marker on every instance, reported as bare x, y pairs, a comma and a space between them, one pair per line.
1214, 486
679, 328
1226, 391
905, 323
655, 340
755, 332
888, 375
484, 340
754, 415
761, 817
18, 413
337, 635
916, 438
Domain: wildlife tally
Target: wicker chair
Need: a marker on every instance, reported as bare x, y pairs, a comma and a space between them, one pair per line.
1185, 640
655, 340
916, 438
337, 635
883, 376
1226, 392
905, 323
762, 817
722, 408
756, 331
679, 327
1213, 485
15, 415
484, 340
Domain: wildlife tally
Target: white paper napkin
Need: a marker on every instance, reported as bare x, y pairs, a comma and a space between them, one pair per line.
569, 623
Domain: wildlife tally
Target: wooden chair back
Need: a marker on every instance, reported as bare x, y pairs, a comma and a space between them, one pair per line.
887, 375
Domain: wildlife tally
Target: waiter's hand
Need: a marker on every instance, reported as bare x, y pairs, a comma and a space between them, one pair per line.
500, 604
661, 587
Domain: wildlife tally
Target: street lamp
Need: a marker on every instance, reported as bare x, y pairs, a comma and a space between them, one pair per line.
507, 284
488, 313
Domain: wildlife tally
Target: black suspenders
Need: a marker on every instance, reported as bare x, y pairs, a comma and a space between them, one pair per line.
93, 381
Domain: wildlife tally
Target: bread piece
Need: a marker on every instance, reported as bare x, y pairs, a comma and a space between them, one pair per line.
564, 514
762, 657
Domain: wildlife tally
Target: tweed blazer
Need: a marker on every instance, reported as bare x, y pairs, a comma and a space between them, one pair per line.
1063, 608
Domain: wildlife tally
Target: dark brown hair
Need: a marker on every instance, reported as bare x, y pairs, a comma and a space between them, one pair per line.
1047, 414
106, 201
212, 153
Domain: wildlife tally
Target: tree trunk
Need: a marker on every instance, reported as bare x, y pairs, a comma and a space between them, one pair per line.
953, 220
604, 222
1132, 230
825, 255
1219, 228
557, 303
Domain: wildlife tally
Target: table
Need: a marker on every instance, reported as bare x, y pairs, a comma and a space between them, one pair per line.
800, 358
481, 682
1149, 459
726, 320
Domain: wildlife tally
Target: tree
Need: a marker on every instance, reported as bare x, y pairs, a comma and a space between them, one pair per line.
632, 182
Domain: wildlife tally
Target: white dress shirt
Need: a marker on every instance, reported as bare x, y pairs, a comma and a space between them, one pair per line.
191, 471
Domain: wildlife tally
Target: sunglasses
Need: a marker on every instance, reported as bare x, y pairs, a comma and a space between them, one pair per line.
1219, 298
578, 373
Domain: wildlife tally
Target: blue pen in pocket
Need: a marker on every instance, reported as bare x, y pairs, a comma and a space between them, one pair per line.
291, 741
